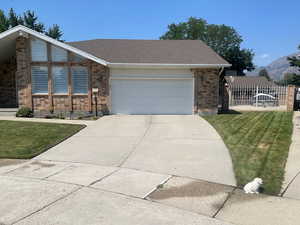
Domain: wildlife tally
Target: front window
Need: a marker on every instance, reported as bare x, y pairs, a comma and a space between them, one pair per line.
39, 79
80, 80
38, 50
60, 79
58, 54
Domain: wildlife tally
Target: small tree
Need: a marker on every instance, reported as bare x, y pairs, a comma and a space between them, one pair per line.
264, 73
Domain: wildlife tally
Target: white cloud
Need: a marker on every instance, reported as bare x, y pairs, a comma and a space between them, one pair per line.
264, 56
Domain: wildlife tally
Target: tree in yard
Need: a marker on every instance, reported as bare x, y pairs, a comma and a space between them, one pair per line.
264, 73
4, 23
223, 39
293, 78
55, 32
30, 20
295, 60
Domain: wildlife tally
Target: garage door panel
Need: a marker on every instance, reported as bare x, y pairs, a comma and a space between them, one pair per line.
146, 96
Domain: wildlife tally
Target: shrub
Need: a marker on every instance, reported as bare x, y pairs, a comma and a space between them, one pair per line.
24, 112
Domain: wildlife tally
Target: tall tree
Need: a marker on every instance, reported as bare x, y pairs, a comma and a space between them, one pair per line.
55, 32
293, 78
4, 23
264, 73
14, 19
223, 39
30, 20
295, 60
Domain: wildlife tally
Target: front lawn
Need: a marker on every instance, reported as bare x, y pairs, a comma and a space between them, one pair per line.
259, 144
24, 140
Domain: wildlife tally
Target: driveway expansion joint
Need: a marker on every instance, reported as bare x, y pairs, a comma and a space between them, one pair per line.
224, 203
138, 142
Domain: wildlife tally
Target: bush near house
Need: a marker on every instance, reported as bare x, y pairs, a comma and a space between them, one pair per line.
259, 145
24, 112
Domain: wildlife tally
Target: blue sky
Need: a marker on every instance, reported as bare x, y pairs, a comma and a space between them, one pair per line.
269, 27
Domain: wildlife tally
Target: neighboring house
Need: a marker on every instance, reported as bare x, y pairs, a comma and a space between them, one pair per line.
132, 76
247, 81
241, 90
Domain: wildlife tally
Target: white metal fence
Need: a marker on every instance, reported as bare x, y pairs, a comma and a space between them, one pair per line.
265, 96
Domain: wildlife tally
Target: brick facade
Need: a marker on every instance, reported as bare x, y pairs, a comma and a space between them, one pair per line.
8, 91
206, 91
41, 104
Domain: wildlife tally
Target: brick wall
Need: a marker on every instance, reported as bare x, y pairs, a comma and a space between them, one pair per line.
22, 75
290, 98
8, 92
206, 91
62, 103
100, 80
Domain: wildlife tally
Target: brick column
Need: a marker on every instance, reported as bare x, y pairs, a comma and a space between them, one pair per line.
100, 80
206, 91
22, 72
290, 99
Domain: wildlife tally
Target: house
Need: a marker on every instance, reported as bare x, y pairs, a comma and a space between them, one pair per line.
116, 76
247, 81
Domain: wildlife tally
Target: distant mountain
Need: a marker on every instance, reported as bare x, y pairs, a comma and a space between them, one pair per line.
277, 68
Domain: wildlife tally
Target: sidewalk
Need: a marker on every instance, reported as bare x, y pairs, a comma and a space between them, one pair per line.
291, 185
129, 196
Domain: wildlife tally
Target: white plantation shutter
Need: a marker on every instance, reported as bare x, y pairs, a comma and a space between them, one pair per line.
80, 80
38, 50
60, 79
39, 79
58, 54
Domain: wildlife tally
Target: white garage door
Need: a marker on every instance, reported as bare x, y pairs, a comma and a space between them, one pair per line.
152, 94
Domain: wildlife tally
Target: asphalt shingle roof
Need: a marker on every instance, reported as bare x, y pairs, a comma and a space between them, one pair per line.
150, 51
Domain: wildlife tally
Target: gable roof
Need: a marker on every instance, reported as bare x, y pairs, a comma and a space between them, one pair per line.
22, 30
124, 51
247, 81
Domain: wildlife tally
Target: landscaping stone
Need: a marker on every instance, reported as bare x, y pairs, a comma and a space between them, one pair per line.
82, 174
250, 209
131, 182
90, 206
20, 196
192, 195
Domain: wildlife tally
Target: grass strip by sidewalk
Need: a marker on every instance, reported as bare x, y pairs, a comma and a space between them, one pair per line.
259, 145
25, 140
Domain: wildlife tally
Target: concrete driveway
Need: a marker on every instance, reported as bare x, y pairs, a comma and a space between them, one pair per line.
175, 145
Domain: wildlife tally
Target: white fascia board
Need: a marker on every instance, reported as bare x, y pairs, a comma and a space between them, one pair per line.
156, 65
52, 41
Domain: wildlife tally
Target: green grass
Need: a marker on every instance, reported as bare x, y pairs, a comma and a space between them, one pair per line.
25, 140
259, 145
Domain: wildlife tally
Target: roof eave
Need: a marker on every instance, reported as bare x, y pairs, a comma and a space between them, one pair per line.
162, 65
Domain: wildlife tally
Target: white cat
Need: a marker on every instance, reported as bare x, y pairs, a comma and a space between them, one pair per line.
253, 186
